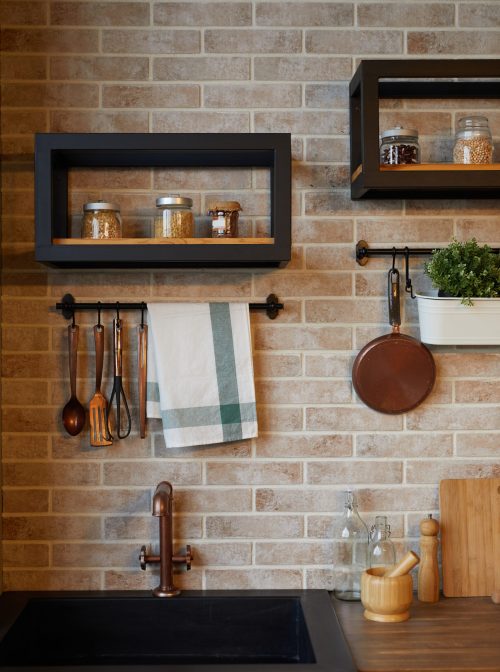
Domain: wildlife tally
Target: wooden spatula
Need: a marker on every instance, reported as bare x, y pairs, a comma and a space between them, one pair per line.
98, 404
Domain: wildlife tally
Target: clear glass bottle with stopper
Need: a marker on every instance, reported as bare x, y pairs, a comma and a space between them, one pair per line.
352, 543
381, 551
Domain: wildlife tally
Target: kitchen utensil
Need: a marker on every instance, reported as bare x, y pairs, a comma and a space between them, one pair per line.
393, 373
470, 536
98, 405
73, 415
386, 599
428, 571
118, 393
143, 359
404, 566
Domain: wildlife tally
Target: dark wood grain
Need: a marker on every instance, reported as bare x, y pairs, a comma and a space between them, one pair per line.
455, 634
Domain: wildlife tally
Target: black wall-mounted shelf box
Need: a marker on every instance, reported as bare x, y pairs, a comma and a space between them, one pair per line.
57, 153
378, 79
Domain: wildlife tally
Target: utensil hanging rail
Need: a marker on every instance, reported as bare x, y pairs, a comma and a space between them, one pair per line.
68, 305
364, 252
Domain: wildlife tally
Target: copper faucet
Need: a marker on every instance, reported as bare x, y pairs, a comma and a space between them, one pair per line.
162, 508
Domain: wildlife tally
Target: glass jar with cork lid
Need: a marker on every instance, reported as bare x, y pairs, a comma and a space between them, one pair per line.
174, 217
225, 216
101, 220
473, 141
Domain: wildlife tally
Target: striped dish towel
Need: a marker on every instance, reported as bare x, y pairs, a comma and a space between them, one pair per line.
200, 372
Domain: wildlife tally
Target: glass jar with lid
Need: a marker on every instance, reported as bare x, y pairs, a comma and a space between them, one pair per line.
174, 217
473, 142
399, 146
101, 220
224, 218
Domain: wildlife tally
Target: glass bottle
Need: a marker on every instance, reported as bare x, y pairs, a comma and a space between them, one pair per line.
352, 542
399, 146
381, 551
473, 141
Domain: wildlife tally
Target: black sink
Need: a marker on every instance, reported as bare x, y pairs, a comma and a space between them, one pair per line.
275, 629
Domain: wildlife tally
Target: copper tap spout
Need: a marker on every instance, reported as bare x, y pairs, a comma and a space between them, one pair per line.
163, 508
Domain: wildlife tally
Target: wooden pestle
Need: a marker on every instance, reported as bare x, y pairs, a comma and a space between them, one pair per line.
404, 565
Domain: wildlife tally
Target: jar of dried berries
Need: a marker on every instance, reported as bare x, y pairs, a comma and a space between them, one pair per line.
399, 146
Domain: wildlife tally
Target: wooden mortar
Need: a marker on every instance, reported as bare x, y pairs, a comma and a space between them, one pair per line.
386, 599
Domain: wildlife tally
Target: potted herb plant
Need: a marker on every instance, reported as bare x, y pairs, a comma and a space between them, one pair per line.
466, 310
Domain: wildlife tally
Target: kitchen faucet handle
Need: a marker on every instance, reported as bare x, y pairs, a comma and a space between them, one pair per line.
142, 557
189, 557
185, 559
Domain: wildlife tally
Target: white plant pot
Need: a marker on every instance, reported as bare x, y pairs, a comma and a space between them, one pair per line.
447, 321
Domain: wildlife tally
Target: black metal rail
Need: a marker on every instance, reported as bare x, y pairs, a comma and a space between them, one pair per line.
364, 252
68, 306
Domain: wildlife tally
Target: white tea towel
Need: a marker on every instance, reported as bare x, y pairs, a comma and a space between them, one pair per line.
200, 372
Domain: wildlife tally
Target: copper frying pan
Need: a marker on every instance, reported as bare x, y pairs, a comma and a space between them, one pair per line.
393, 373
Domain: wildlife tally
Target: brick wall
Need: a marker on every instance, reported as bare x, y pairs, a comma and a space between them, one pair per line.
258, 513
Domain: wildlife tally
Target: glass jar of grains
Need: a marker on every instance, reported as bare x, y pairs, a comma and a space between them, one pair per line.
473, 142
224, 218
101, 220
174, 218
399, 146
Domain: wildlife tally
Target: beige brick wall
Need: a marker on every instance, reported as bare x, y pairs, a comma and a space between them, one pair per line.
258, 513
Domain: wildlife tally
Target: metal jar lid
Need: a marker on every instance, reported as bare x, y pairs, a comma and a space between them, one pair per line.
398, 131
100, 205
174, 200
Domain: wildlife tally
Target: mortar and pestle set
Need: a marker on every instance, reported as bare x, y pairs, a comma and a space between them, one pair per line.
387, 592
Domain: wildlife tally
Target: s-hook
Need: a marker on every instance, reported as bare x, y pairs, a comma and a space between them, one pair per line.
408, 285
394, 252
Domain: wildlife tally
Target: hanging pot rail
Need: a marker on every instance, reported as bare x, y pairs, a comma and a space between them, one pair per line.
364, 252
68, 305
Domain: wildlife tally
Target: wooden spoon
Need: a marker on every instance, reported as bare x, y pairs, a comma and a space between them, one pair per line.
73, 415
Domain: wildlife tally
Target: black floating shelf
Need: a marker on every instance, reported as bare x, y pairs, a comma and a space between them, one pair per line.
378, 79
57, 153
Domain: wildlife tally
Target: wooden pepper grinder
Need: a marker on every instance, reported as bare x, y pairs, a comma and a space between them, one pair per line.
428, 573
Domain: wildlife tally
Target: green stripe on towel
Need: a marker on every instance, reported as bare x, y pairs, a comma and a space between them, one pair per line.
199, 416
153, 392
225, 367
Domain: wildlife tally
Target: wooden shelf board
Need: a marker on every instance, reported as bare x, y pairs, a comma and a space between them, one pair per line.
442, 166
430, 167
163, 241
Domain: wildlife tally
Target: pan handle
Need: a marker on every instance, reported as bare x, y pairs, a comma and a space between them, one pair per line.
394, 302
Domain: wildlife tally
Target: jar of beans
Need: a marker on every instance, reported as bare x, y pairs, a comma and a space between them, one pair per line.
473, 142
399, 146
225, 216
101, 220
174, 217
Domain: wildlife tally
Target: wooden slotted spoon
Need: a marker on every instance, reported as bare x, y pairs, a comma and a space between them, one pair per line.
98, 404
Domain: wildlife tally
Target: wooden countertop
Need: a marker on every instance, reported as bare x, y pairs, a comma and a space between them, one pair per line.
455, 634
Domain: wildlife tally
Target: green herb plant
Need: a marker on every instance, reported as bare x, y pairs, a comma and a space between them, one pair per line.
466, 270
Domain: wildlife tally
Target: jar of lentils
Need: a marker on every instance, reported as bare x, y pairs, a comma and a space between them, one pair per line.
174, 218
473, 142
101, 220
225, 216
399, 146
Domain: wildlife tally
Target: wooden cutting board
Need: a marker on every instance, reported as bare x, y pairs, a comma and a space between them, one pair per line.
470, 536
